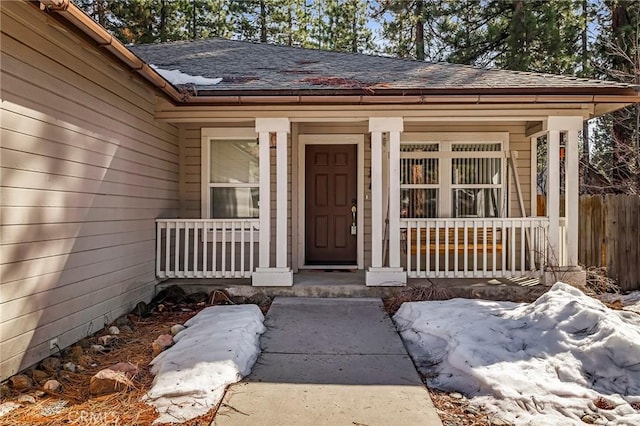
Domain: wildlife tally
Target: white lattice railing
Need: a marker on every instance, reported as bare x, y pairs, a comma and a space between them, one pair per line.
206, 248
459, 248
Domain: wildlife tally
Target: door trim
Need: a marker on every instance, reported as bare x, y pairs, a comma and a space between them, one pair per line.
329, 139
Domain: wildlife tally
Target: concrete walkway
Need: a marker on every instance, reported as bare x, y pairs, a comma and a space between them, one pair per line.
329, 362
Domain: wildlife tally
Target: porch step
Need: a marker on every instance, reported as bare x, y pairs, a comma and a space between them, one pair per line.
345, 284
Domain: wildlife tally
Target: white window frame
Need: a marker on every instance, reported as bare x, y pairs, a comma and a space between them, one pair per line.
209, 134
445, 140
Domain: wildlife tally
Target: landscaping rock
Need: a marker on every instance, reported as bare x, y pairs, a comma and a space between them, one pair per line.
122, 321
127, 368
142, 310
109, 381
39, 376
173, 294
69, 366
51, 365
53, 408
161, 343
8, 407
259, 299
98, 348
499, 421
5, 391
456, 395
76, 352
107, 340
199, 297
20, 382
84, 361
589, 419
114, 330
238, 300
472, 409
85, 343
52, 386
177, 328
26, 399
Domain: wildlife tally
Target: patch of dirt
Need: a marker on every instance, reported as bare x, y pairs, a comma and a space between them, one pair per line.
456, 411
414, 294
75, 405
122, 408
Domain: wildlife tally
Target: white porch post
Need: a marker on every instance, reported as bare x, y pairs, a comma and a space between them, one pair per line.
378, 274
565, 268
571, 200
281, 200
376, 199
553, 196
394, 198
265, 199
265, 274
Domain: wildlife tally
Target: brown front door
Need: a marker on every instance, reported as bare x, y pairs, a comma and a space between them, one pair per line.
331, 192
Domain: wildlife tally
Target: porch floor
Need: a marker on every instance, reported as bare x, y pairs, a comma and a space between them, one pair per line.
320, 283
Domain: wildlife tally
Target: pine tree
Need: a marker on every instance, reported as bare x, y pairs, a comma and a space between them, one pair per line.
409, 28
518, 35
617, 140
339, 25
290, 21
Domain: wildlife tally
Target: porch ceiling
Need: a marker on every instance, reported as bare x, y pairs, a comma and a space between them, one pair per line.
361, 113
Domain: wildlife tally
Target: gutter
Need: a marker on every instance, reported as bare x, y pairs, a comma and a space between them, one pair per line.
224, 99
96, 32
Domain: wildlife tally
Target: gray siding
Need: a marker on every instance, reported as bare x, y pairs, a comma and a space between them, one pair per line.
85, 171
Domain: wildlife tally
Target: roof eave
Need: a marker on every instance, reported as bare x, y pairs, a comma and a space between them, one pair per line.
423, 97
82, 22
487, 92
367, 95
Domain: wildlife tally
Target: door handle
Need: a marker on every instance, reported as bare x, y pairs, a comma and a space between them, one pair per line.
354, 209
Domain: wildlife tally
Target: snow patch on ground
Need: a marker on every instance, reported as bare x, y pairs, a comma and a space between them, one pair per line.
218, 347
177, 77
543, 363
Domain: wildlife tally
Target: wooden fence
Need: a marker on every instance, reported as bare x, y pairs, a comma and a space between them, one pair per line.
609, 236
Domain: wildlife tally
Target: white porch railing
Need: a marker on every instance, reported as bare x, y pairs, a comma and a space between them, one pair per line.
206, 248
468, 248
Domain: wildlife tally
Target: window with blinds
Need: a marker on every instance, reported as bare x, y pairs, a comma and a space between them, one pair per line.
448, 179
419, 181
476, 181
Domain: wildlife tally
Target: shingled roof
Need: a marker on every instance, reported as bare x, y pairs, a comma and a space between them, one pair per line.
247, 67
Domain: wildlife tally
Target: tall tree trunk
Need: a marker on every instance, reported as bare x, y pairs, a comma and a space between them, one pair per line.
290, 26
193, 34
263, 22
420, 53
354, 28
585, 65
621, 133
163, 20
100, 12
